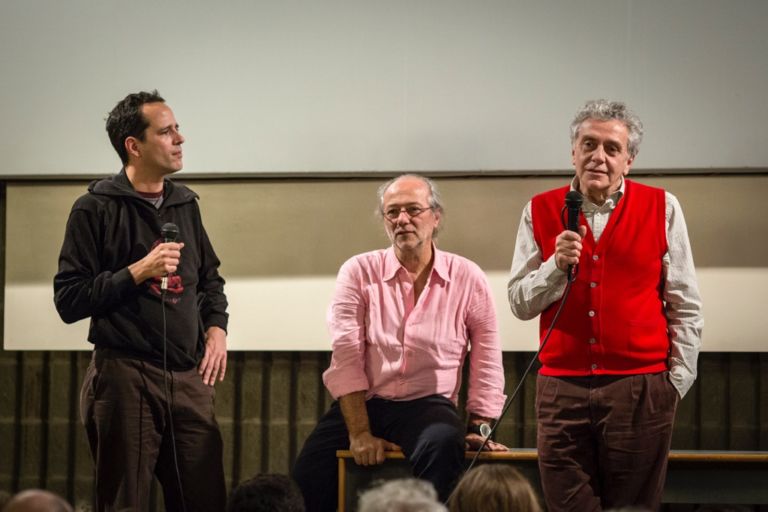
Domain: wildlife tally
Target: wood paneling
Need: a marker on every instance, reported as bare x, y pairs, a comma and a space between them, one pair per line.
269, 403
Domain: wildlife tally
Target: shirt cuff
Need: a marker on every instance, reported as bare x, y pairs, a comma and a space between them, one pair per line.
681, 378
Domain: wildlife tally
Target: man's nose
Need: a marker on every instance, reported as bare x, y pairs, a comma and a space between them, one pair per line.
403, 217
599, 154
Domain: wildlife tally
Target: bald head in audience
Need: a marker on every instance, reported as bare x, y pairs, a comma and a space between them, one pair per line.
36, 500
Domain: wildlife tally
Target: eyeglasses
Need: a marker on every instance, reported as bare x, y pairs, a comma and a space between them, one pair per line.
392, 214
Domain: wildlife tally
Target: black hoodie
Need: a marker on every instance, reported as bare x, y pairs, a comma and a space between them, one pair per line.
111, 227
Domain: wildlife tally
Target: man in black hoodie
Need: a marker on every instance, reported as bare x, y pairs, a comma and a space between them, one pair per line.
158, 320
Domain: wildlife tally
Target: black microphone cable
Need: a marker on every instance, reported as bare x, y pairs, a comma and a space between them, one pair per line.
511, 399
572, 272
169, 234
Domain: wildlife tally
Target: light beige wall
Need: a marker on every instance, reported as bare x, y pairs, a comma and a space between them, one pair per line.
282, 241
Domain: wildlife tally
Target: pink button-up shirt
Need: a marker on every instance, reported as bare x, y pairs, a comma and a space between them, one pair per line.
393, 347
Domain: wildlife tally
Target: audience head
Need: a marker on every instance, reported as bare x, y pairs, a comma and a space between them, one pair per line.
401, 495
266, 493
494, 487
37, 500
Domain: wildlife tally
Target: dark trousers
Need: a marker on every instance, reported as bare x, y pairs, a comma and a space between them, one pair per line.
123, 408
603, 441
427, 429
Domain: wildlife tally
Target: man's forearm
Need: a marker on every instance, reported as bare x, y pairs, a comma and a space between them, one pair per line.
355, 413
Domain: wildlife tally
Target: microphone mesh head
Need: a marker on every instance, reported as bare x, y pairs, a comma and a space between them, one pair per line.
573, 200
169, 232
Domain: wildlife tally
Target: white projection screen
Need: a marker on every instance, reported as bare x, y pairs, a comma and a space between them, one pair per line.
305, 87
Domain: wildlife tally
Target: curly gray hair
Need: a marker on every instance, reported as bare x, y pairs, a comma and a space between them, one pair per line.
605, 110
401, 495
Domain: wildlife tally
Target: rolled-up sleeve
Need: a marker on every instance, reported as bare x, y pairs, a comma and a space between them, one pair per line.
346, 324
486, 374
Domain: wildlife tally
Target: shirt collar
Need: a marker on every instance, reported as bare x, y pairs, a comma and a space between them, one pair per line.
392, 265
440, 266
610, 203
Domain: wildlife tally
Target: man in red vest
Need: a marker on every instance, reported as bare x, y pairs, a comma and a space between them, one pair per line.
624, 349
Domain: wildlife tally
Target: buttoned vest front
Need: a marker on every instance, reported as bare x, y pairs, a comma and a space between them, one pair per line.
613, 321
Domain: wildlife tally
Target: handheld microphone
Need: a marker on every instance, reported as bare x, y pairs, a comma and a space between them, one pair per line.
169, 232
573, 202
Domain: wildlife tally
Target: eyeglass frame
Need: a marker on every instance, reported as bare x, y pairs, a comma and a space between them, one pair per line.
405, 209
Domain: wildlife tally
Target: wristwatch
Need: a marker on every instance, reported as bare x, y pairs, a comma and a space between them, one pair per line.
482, 429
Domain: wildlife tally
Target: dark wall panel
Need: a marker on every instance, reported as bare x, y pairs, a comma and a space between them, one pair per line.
269, 403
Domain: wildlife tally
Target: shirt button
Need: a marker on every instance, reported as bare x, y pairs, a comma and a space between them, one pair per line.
592, 341
591, 313
595, 257
594, 366
592, 284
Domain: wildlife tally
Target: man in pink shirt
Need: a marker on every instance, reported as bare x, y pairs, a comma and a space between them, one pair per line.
402, 320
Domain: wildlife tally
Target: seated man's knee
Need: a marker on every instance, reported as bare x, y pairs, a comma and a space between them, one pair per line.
442, 438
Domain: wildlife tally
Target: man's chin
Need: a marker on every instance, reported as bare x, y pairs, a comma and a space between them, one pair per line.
597, 186
408, 243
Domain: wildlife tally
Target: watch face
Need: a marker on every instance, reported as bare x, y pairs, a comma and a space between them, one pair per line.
485, 429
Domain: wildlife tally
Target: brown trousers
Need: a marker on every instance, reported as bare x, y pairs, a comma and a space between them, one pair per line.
123, 408
603, 441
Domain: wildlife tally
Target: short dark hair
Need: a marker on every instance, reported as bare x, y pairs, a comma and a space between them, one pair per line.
126, 120
266, 493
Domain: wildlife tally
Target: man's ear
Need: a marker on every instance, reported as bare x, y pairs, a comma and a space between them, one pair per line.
629, 165
132, 147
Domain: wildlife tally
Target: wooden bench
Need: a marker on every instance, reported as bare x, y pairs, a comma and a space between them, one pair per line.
693, 477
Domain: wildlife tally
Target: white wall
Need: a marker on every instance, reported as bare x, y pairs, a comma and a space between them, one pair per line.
284, 313
367, 85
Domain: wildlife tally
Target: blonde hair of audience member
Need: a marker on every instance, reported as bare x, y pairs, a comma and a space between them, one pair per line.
494, 487
401, 495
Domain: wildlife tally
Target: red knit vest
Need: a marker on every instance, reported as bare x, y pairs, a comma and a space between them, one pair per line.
613, 321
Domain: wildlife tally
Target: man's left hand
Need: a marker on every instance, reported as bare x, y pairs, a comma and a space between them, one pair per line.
214, 363
475, 441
